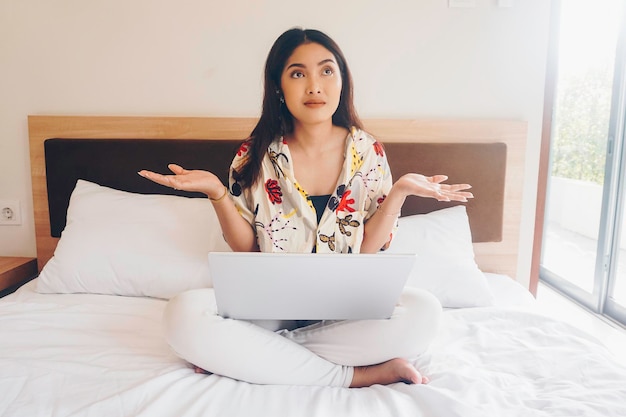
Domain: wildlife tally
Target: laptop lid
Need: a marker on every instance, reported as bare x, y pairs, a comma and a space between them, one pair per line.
290, 286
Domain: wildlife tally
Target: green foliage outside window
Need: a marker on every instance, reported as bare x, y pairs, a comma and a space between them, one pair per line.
581, 126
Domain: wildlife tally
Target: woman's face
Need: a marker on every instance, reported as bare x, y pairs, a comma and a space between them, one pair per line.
311, 84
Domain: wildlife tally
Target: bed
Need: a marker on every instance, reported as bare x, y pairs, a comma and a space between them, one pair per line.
84, 338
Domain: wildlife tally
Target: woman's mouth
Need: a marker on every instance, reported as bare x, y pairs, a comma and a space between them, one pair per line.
314, 103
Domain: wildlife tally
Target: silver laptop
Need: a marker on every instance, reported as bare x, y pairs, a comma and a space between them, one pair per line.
290, 286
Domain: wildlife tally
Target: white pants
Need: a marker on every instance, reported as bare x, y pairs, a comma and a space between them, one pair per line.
320, 354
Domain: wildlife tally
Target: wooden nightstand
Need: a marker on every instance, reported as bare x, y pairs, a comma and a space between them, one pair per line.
14, 272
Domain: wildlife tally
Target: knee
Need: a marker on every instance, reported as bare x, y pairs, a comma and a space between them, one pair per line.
421, 303
422, 316
182, 315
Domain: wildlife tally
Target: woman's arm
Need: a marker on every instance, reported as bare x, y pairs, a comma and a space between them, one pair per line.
379, 226
236, 230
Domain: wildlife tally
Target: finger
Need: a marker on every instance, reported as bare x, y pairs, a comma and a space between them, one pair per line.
152, 176
457, 190
458, 197
449, 191
456, 187
161, 179
177, 169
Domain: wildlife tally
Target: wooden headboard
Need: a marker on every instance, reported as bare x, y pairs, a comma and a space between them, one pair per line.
489, 154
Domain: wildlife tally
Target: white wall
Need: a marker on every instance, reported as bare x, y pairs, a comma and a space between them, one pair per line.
410, 59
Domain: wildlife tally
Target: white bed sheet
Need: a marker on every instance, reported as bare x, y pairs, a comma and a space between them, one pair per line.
97, 355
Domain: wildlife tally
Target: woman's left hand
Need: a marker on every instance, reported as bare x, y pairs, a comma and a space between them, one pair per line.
423, 186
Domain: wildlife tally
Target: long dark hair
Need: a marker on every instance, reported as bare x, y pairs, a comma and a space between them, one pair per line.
276, 120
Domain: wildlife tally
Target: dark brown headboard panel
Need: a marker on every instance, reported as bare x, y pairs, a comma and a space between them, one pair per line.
483, 165
114, 163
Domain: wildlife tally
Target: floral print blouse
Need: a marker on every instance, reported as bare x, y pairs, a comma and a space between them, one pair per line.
284, 218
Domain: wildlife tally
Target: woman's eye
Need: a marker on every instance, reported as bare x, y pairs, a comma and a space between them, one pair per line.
328, 71
297, 74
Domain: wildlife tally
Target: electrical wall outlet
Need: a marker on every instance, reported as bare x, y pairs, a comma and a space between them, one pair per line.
10, 213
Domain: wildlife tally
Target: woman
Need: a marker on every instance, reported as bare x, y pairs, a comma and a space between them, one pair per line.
308, 179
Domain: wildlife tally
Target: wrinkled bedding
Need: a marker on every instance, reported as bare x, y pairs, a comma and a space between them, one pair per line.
102, 355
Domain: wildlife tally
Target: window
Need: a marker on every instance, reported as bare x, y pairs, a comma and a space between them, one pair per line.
583, 249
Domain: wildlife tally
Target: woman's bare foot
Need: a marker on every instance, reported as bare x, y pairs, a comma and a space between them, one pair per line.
199, 370
394, 370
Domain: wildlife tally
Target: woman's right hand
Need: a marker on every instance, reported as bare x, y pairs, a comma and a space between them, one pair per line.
188, 180
235, 229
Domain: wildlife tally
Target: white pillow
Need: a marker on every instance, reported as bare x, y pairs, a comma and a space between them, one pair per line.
445, 263
122, 243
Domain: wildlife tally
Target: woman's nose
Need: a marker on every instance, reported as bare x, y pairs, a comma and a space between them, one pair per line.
313, 87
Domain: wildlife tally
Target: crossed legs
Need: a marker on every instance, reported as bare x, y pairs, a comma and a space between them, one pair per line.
337, 353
